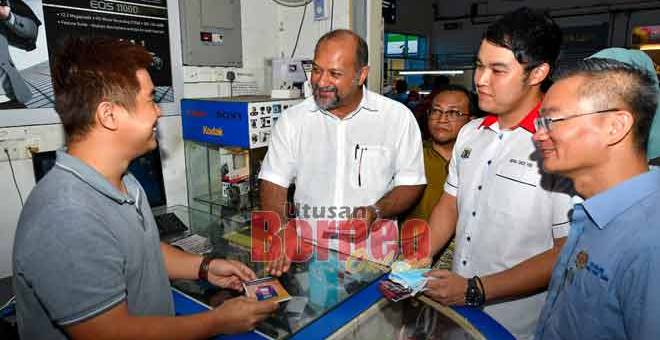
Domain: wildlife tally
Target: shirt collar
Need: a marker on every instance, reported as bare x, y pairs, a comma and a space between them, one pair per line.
367, 102
526, 123
95, 180
605, 206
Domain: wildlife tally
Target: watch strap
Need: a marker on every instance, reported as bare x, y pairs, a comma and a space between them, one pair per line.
203, 273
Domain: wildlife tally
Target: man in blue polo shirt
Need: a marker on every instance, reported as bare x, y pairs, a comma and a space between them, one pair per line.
593, 128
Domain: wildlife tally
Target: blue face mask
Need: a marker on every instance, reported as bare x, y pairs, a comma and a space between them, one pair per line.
410, 278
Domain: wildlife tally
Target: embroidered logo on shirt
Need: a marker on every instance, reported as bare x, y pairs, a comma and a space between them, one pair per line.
582, 262
466, 153
581, 259
598, 271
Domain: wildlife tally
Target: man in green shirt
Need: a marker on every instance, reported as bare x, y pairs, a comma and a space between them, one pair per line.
452, 107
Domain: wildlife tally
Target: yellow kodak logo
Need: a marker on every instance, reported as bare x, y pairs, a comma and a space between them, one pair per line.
212, 131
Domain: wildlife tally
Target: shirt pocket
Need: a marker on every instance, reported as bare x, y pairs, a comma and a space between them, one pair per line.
515, 187
372, 168
587, 292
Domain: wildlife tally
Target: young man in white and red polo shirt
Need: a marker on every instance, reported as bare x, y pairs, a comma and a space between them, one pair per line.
510, 218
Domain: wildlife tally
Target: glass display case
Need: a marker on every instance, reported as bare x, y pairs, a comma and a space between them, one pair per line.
317, 286
223, 181
336, 297
225, 141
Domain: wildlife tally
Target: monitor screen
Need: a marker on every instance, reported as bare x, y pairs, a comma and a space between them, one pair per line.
147, 169
401, 44
149, 172
41, 163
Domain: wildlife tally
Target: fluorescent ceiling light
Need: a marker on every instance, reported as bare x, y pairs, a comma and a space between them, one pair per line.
445, 72
649, 47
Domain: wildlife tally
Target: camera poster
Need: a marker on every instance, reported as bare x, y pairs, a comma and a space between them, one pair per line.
31, 30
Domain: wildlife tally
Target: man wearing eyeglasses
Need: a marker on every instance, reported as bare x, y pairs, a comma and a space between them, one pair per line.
452, 107
509, 219
594, 127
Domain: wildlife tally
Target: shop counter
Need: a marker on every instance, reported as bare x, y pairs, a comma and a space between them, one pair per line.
337, 295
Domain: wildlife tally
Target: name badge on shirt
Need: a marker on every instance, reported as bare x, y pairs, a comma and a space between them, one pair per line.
466, 153
581, 259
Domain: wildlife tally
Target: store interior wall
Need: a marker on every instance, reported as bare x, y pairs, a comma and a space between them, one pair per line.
455, 28
268, 31
458, 29
417, 19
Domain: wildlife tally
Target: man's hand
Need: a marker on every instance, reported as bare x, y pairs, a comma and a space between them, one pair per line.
280, 265
446, 287
242, 314
229, 274
369, 216
367, 213
424, 262
5, 11
273, 198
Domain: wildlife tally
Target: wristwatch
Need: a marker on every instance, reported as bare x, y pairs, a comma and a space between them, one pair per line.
203, 273
474, 295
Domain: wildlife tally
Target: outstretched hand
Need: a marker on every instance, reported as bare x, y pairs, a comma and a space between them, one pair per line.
446, 287
229, 274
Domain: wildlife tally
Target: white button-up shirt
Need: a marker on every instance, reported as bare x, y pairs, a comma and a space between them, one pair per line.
339, 164
509, 210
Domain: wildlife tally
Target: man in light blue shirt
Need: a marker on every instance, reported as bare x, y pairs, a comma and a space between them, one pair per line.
593, 128
642, 61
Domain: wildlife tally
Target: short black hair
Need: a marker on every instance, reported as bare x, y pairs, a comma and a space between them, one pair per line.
401, 86
609, 82
89, 70
532, 36
471, 96
361, 52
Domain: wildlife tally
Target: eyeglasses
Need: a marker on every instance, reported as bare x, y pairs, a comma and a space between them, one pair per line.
545, 123
451, 114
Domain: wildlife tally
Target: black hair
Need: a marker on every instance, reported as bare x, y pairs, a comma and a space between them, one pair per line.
609, 81
532, 36
82, 79
401, 86
361, 52
471, 96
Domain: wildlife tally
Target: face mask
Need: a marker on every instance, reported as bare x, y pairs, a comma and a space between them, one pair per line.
408, 277
412, 279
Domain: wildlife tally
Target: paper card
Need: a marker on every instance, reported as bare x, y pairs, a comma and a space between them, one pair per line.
266, 288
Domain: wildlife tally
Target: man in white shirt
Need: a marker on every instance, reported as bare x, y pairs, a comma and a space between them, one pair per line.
350, 152
510, 218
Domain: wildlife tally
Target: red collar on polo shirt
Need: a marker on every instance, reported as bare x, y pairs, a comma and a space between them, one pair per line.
526, 123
